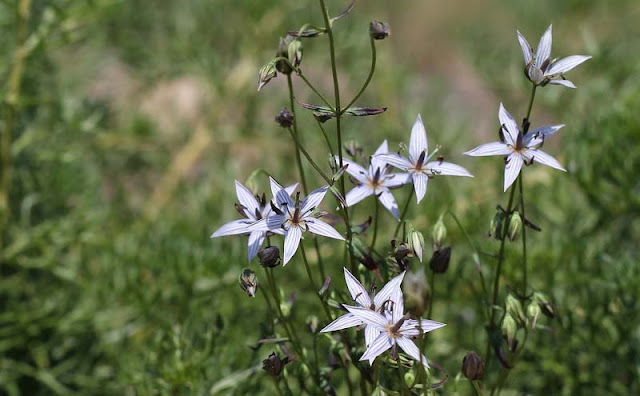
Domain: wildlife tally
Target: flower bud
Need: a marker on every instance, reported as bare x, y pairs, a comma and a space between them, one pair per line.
533, 313
295, 52
514, 308
379, 30
438, 234
515, 225
248, 282
269, 256
473, 366
273, 365
283, 52
548, 309
416, 239
496, 226
439, 262
312, 322
509, 328
285, 118
267, 72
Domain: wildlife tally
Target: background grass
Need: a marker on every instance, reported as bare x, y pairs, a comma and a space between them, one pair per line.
136, 116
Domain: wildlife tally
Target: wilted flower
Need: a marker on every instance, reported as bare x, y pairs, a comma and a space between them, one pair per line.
253, 208
541, 69
269, 256
292, 218
419, 170
361, 296
473, 366
375, 181
379, 30
440, 259
285, 118
273, 365
519, 149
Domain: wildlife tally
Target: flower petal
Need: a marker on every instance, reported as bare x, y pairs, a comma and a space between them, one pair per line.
357, 194
510, 124
447, 169
418, 142
565, 64
246, 199
354, 169
395, 160
544, 48
380, 345
256, 238
413, 327
512, 169
527, 52
565, 83
313, 199
544, 159
271, 223
388, 291
420, 185
358, 293
291, 242
538, 135
370, 335
377, 162
280, 194
396, 179
369, 317
234, 227
290, 189
398, 305
411, 349
343, 322
535, 74
494, 148
319, 227
389, 202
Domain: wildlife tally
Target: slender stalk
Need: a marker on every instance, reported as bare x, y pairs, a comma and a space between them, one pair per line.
477, 387
403, 385
533, 95
277, 385
306, 81
308, 157
375, 225
297, 135
496, 281
313, 283
433, 293
524, 242
326, 138
10, 110
366, 83
404, 212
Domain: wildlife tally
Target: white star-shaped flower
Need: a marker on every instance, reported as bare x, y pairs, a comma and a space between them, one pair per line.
253, 208
394, 328
293, 218
378, 303
419, 169
375, 181
519, 149
541, 69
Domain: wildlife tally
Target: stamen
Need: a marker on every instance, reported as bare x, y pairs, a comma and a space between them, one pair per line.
276, 209
420, 159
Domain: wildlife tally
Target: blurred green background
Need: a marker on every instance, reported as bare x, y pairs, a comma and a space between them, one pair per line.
136, 116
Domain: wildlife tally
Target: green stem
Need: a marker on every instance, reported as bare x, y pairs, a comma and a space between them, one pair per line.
10, 110
308, 157
433, 293
476, 387
403, 385
277, 385
313, 283
533, 95
496, 281
366, 83
524, 242
375, 225
404, 212
326, 138
296, 135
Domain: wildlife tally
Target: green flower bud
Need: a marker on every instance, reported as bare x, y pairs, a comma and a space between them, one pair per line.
379, 30
496, 226
438, 233
548, 309
515, 225
473, 366
509, 329
416, 240
267, 72
533, 312
295, 52
248, 282
514, 308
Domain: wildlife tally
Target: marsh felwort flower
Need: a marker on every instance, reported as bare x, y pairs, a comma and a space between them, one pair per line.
252, 208
292, 218
375, 180
416, 164
519, 149
540, 68
378, 302
385, 323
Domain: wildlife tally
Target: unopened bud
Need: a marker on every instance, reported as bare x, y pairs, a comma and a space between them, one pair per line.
548, 309
248, 282
439, 262
496, 226
283, 52
312, 322
379, 30
295, 52
273, 365
509, 329
267, 72
514, 308
269, 256
285, 118
515, 225
438, 234
473, 366
533, 313
416, 239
